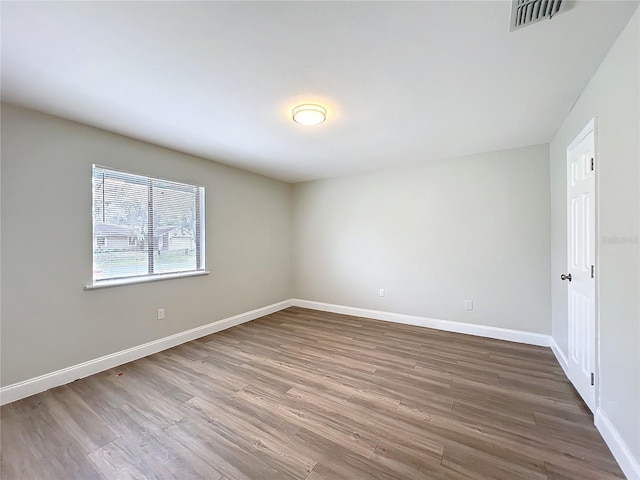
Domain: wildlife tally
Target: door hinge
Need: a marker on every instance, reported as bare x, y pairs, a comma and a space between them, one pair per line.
593, 378
592, 164
593, 271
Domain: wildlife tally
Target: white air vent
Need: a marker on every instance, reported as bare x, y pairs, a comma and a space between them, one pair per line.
526, 12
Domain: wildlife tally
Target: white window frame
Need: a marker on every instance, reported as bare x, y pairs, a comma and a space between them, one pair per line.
150, 276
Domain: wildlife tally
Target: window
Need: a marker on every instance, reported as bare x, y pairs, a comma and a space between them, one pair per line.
144, 228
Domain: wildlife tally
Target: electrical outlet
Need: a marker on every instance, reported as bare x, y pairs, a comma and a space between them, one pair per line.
468, 304
382, 292
160, 313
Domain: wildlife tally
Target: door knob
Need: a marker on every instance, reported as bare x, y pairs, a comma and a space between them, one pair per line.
565, 277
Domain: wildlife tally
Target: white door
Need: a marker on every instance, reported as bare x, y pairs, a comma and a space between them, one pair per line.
581, 259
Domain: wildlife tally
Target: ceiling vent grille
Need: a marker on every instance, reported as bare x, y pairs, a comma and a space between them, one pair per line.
526, 12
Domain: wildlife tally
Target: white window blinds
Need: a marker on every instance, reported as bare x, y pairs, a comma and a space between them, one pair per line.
145, 226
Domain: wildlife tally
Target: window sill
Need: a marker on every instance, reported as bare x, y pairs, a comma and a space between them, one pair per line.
150, 278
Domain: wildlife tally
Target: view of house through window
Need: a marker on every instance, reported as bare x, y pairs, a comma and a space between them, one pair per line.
145, 226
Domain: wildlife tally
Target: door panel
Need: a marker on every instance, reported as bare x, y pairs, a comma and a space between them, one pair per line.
581, 256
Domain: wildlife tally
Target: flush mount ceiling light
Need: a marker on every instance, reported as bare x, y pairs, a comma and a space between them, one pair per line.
309, 114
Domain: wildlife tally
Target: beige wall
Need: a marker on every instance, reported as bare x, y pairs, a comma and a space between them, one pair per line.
433, 236
613, 97
48, 321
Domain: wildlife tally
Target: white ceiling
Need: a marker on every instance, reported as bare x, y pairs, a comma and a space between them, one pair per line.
402, 82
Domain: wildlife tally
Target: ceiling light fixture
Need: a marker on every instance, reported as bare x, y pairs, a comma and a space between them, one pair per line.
309, 114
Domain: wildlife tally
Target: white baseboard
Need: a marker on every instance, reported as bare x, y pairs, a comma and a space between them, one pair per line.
26, 388
628, 463
560, 356
447, 325
14, 392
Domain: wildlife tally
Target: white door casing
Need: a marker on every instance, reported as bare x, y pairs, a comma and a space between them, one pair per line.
581, 263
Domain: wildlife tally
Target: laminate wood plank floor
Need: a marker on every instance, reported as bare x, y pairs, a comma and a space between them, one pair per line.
302, 394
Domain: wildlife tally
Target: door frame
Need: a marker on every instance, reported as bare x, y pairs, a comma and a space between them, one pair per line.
591, 126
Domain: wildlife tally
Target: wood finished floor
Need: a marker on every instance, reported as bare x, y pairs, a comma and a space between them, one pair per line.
309, 395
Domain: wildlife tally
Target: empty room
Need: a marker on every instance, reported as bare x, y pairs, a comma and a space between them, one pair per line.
320, 240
